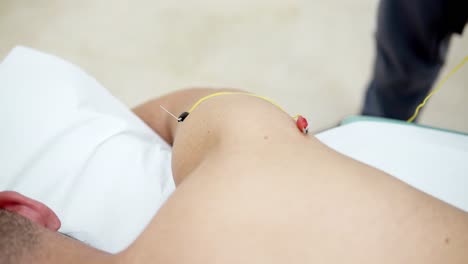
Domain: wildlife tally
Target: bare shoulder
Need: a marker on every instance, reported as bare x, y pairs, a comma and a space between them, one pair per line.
257, 186
223, 122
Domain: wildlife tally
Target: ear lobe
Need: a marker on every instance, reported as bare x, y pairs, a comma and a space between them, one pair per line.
34, 210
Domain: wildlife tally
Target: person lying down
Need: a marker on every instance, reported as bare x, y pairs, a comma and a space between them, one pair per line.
266, 194
251, 189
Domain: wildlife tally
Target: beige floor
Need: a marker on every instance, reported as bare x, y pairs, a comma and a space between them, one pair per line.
313, 57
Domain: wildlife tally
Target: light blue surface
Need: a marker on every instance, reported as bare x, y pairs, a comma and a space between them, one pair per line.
353, 119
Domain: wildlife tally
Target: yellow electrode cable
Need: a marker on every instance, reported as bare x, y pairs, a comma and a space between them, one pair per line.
411, 119
442, 82
233, 93
301, 122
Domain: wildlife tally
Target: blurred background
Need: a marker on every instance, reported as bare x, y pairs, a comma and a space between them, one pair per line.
312, 57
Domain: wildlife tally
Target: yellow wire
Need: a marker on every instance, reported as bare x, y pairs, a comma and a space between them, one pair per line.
411, 119
442, 82
231, 93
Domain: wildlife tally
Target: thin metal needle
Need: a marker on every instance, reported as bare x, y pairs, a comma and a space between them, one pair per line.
167, 111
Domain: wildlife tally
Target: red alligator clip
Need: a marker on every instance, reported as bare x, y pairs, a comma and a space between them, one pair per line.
302, 124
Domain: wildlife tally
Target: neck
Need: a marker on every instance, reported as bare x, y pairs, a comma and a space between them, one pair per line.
56, 248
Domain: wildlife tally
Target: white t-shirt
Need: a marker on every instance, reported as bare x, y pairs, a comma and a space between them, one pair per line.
66, 142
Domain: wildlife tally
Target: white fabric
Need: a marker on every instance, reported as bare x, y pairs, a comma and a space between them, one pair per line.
432, 161
66, 142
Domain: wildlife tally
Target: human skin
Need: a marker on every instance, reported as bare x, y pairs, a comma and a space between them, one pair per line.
251, 188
